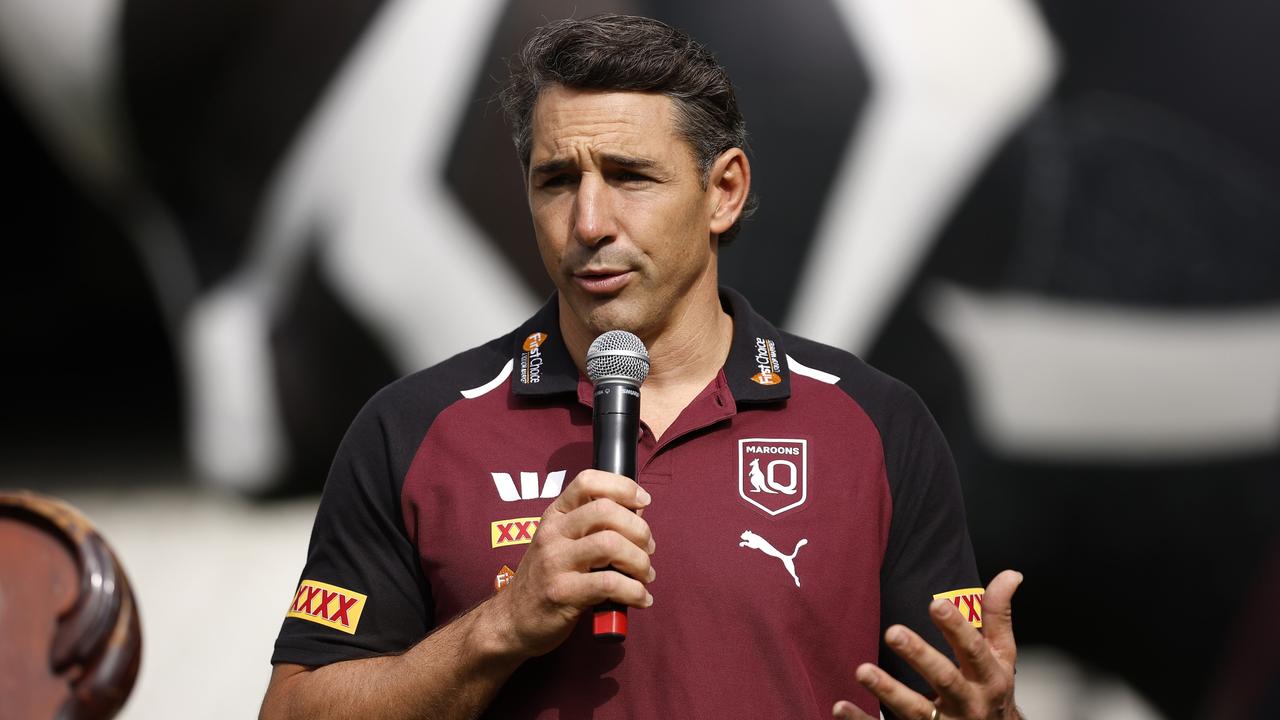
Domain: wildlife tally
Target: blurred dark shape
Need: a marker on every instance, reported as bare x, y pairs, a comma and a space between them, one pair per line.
215, 91
73, 638
327, 365
1150, 180
86, 361
1248, 681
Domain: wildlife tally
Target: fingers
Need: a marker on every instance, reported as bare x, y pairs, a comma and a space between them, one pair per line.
846, 710
973, 653
980, 685
592, 484
608, 549
589, 527
604, 532
603, 514
583, 590
953, 687
902, 700
997, 615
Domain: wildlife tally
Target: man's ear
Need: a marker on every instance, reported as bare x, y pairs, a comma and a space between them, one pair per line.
728, 183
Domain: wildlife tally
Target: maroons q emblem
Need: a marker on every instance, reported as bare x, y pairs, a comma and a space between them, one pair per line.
773, 473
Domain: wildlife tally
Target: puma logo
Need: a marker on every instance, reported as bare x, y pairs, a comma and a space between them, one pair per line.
755, 542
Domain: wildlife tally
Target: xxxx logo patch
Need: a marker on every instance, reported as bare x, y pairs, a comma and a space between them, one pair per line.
328, 605
968, 601
517, 531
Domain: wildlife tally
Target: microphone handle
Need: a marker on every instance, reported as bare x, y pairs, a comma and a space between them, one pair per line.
615, 431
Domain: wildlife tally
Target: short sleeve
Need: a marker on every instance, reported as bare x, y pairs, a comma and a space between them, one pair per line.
362, 591
928, 552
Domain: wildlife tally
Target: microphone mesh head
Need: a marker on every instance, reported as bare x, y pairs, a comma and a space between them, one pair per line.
618, 355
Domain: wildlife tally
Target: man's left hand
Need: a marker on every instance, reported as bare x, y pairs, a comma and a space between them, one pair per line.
979, 688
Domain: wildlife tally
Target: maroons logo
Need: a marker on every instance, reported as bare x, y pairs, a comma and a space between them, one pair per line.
773, 473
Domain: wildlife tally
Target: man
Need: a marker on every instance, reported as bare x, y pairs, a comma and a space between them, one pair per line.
802, 500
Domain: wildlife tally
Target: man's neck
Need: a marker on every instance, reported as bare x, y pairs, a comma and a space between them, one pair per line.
684, 357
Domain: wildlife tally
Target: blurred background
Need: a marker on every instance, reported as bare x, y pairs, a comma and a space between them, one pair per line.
231, 221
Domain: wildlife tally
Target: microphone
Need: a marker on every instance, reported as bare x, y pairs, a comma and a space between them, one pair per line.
617, 363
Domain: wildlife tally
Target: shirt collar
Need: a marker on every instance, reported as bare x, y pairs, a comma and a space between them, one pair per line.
755, 370
541, 362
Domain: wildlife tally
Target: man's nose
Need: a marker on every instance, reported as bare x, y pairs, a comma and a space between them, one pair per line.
593, 218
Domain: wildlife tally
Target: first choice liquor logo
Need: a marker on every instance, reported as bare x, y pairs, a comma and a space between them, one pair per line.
531, 358
968, 601
328, 605
767, 363
503, 578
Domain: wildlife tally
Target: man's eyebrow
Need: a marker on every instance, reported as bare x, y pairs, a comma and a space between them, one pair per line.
627, 162
630, 163
550, 167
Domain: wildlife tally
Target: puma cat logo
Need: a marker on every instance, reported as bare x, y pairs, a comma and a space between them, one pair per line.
755, 542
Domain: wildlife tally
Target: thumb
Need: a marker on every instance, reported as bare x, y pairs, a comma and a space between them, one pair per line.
997, 614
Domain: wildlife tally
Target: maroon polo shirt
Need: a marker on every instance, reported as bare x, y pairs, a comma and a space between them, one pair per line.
801, 503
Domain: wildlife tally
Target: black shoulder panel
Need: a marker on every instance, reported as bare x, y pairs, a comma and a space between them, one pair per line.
362, 591
928, 550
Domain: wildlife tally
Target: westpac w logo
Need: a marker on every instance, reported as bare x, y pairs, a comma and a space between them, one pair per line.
773, 473
529, 485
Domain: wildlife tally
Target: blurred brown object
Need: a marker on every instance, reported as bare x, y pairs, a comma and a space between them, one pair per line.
71, 636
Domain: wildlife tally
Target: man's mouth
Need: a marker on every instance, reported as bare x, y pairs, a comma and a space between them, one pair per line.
605, 281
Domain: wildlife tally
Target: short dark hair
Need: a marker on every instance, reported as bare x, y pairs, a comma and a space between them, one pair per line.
623, 52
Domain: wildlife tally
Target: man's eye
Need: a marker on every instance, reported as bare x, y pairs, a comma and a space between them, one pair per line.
631, 177
556, 181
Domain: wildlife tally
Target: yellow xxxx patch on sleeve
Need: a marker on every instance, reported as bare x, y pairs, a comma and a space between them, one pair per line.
968, 601
328, 605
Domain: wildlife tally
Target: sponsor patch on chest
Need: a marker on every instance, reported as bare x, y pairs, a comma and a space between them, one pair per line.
503, 578
516, 531
773, 473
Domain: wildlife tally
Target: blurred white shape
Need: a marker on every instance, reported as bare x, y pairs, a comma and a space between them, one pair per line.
948, 82
1052, 686
235, 425
365, 178
1078, 381
59, 56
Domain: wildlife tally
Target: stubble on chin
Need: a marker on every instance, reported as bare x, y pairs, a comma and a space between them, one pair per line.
600, 315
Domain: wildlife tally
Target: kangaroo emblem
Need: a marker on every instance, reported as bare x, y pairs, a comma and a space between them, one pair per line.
757, 479
755, 542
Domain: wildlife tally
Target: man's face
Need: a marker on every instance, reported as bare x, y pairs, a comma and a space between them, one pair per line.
619, 211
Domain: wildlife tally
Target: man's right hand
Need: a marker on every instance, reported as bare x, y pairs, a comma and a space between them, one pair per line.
455, 671
590, 526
